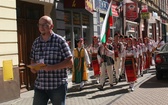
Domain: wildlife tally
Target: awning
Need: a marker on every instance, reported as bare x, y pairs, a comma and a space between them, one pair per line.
132, 22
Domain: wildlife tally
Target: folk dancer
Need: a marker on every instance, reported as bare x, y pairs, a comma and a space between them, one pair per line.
123, 43
93, 49
118, 51
137, 49
130, 70
147, 53
81, 63
141, 56
105, 58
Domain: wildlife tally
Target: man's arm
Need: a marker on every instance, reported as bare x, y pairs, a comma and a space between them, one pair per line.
32, 70
67, 63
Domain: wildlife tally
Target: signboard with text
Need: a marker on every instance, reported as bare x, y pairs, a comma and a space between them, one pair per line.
83, 4
131, 11
114, 10
145, 15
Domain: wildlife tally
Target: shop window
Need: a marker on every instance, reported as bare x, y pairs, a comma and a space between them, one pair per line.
67, 17
85, 19
68, 33
76, 19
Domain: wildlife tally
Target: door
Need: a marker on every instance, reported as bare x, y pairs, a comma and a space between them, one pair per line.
27, 19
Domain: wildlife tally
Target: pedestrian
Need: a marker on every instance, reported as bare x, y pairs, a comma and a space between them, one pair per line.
130, 62
52, 50
93, 50
105, 58
81, 64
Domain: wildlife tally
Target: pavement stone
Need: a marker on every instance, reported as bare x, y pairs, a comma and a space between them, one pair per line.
117, 95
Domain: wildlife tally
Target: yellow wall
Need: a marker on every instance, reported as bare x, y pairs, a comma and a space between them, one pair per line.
8, 32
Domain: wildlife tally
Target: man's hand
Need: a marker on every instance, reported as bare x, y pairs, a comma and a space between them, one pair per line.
33, 71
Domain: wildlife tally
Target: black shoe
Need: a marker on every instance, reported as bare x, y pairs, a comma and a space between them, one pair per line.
111, 85
100, 87
80, 89
116, 81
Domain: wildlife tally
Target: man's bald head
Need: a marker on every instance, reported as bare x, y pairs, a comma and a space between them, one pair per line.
47, 19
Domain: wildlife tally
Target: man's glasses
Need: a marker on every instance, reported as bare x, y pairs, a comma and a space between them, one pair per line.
43, 25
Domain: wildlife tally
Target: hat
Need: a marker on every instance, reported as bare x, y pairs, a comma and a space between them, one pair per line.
96, 37
79, 39
110, 38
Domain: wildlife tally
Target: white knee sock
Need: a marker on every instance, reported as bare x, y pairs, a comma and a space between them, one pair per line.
82, 84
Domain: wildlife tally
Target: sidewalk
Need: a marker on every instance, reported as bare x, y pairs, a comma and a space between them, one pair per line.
90, 95
26, 98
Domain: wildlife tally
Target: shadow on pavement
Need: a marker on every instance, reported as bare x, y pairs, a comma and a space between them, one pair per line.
91, 88
117, 92
154, 83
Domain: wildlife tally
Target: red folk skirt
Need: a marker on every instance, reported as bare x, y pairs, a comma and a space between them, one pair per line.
130, 70
95, 64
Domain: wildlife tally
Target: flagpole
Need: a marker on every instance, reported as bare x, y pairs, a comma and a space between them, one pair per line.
103, 30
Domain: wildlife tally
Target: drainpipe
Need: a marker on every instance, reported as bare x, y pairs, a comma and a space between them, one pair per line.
124, 17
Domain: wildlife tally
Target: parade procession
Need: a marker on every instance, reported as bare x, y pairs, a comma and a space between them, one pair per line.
86, 52
117, 58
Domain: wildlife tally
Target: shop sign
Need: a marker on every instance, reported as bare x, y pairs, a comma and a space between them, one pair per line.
145, 15
155, 15
114, 11
144, 8
74, 4
101, 5
131, 11
83, 4
88, 5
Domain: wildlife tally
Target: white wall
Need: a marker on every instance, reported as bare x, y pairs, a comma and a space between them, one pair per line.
8, 31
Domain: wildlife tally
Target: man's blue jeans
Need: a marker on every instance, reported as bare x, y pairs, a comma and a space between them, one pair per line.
57, 96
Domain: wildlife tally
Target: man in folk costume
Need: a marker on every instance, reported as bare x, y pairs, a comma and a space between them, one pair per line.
130, 69
105, 57
142, 56
81, 62
93, 50
118, 51
151, 47
160, 43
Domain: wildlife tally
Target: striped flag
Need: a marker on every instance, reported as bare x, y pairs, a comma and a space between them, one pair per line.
108, 21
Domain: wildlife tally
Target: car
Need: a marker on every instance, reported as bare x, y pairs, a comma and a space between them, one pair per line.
161, 62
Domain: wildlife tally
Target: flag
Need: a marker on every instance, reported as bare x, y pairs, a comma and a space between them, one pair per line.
108, 21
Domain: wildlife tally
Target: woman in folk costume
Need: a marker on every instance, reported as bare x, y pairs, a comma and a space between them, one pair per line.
93, 50
81, 62
118, 51
130, 70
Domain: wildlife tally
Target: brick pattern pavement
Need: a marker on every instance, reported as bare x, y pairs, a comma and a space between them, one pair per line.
148, 91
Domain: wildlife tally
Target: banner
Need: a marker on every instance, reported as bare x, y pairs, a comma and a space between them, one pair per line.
131, 11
